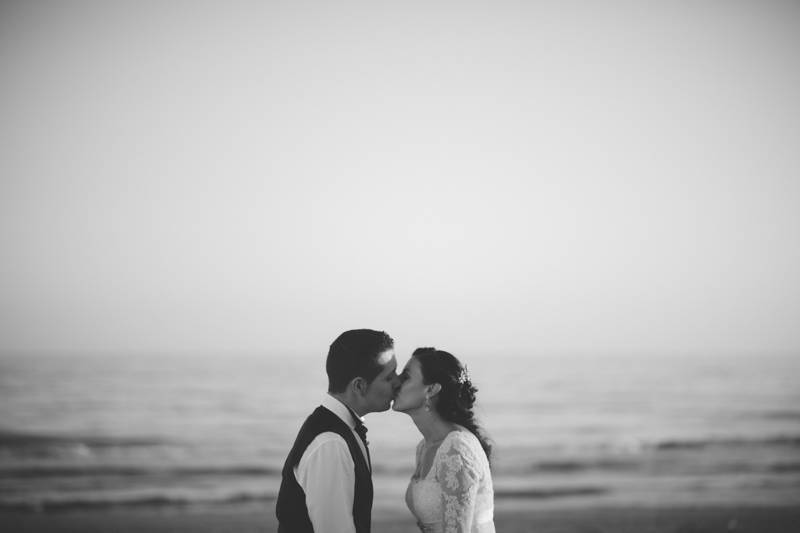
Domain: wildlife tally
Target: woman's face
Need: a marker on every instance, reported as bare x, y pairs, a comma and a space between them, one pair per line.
412, 391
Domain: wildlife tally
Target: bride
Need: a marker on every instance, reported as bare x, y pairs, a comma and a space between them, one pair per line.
451, 489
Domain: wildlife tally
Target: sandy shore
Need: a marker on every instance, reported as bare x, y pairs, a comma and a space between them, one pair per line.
579, 520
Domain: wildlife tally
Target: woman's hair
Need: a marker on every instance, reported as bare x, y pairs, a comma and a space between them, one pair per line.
457, 396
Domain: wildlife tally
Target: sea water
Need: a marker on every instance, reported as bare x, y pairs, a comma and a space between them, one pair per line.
105, 430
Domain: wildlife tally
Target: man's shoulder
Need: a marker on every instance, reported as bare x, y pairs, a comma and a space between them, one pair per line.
320, 419
327, 438
320, 427
323, 415
324, 444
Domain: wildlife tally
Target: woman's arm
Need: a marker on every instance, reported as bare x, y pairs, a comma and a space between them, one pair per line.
458, 474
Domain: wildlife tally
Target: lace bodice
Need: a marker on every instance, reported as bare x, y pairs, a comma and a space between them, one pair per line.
456, 496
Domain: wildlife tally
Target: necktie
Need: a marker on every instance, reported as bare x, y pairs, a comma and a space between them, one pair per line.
361, 430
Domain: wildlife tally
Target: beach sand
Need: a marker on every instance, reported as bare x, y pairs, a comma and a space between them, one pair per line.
577, 520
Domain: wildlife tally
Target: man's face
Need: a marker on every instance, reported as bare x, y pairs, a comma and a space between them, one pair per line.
382, 390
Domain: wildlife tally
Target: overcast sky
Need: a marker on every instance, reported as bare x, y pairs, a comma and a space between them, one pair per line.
501, 177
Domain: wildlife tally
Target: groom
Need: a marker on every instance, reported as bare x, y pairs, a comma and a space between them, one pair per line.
327, 477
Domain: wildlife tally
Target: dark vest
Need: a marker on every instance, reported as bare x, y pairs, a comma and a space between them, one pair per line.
291, 505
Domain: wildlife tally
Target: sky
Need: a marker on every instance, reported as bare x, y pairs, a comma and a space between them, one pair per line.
489, 178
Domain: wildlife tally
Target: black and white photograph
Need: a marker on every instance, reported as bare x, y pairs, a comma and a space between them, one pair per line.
397, 267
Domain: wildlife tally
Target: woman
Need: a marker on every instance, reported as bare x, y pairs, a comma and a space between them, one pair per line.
451, 489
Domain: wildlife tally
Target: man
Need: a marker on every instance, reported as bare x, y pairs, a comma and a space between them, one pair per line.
327, 477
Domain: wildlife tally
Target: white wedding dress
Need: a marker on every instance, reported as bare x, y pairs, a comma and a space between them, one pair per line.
456, 496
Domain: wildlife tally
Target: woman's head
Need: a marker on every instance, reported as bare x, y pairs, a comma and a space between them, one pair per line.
436, 380
456, 395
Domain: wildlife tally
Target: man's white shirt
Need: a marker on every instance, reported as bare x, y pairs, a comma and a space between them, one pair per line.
326, 473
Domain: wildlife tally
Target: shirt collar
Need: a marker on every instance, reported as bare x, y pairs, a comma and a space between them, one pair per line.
341, 410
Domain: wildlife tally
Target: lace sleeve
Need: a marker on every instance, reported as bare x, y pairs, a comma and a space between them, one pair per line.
458, 474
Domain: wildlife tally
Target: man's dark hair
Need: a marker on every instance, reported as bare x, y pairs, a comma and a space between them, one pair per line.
354, 354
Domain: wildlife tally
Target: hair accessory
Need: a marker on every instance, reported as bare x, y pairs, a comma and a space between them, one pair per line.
463, 376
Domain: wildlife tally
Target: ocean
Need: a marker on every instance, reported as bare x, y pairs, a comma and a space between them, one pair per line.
153, 430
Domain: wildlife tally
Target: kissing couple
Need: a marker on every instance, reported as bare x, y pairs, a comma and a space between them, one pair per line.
327, 478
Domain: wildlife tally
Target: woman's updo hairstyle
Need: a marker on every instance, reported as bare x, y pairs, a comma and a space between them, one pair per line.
457, 395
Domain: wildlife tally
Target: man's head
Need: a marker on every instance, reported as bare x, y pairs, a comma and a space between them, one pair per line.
362, 368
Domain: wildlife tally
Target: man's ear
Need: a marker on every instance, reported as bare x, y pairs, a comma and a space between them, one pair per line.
433, 389
359, 385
